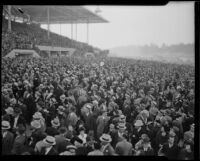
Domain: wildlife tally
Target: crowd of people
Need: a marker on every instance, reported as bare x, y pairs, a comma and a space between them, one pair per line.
25, 36
112, 106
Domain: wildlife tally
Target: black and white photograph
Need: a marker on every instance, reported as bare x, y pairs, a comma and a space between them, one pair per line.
98, 80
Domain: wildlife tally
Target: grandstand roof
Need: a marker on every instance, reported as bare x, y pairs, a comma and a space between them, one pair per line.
58, 14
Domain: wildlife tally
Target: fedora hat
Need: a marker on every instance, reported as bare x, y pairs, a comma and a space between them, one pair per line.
68, 147
9, 111
62, 96
5, 125
55, 122
121, 126
138, 123
105, 138
36, 124
37, 116
122, 117
61, 108
88, 105
50, 140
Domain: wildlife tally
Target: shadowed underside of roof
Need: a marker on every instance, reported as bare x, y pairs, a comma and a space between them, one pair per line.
57, 14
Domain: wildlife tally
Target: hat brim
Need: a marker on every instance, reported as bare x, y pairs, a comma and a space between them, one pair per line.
49, 143
107, 141
138, 124
124, 128
5, 128
52, 123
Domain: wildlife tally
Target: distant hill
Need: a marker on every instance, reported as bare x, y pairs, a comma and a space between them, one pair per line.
179, 53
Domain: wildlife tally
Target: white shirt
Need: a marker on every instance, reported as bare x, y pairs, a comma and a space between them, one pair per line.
15, 121
4, 134
83, 138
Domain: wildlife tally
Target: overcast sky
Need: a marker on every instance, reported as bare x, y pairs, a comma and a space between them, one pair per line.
137, 25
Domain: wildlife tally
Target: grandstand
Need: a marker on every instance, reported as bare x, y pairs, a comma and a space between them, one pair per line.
28, 34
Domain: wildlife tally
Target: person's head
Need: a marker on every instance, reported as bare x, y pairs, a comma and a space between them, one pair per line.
62, 130
188, 145
97, 145
105, 139
192, 127
111, 127
49, 141
20, 130
125, 136
5, 125
72, 149
171, 139
82, 130
138, 124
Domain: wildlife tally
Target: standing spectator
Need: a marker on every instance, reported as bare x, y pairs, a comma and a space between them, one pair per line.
49, 148
101, 123
124, 147
169, 149
19, 142
106, 148
96, 151
7, 139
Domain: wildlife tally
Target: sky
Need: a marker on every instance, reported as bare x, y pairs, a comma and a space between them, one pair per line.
136, 25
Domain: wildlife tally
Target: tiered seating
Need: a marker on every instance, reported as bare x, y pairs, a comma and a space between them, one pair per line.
27, 35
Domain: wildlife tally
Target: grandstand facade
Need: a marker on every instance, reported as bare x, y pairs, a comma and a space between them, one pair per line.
28, 34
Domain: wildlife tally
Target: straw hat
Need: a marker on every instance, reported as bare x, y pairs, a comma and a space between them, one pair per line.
138, 123
55, 122
9, 111
88, 105
71, 147
122, 117
37, 116
121, 126
62, 96
36, 124
61, 108
50, 140
105, 138
5, 125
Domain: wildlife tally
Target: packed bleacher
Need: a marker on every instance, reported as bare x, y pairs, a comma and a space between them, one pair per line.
76, 106
26, 36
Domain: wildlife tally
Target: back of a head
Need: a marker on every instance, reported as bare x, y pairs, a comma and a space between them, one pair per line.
97, 145
62, 130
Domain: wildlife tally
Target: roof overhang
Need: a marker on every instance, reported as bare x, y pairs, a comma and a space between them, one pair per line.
57, 14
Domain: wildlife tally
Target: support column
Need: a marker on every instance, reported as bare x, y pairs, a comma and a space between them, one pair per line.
72, 31
87, 33
48, 22
60, 41
76, 31
9, 18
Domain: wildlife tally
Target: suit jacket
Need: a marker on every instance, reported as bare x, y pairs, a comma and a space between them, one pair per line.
108, 150
135, 136
20, 120
90, 122
7, 143
18, 145
123, 148
170, 153
52, 131
149, 152
61, 143
37, 136
51, 152
101, 124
